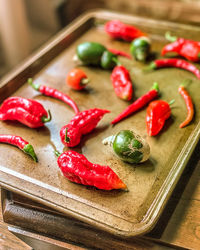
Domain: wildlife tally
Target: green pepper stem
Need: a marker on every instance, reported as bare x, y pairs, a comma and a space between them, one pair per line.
33, 85
28, 149
67, 139
118, 63
186, 82
156, 87
169, 37
171, 102
46, 119
150, 67
57, 153
109, 140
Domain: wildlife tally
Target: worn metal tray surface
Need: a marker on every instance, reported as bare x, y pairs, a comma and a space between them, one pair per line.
151, 183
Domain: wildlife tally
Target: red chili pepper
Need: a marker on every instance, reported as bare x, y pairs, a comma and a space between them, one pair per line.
187, 48
27, 111
122, 84
118, 30
20, 143
77, 79
138, 104
48, 91
81, 124
157, 113
78, 169
177, 63
189, 105
119, 53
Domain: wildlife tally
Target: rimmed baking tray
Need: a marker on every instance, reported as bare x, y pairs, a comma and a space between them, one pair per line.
150, 184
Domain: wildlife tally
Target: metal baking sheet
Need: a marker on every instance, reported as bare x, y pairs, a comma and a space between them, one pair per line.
150, 184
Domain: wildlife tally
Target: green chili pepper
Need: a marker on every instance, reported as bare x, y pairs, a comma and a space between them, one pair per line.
108, 60
90, 52
128, 146
140, 48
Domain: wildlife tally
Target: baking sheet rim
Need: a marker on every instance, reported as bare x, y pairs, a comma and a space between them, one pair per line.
160, 200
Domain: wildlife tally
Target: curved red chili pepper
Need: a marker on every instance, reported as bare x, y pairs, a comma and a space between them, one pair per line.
138, 104
81, 124
122, 84
184, 47
176, 63
20, 143
78, 169
27, 111
157, 113
118, 30
48, 91
189, 105
119, 53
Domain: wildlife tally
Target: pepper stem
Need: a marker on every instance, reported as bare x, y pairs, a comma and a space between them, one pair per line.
155, 86
28, 149
66, 137
75, 58
57, 153
114, 59
46, 119
171, 102
109, 140
33, 85
169, 37
84, 81
150, 67
186, 82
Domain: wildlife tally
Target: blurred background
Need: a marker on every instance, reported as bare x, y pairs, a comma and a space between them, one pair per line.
27, 24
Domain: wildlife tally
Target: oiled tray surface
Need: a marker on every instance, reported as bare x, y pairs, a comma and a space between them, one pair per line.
151, 183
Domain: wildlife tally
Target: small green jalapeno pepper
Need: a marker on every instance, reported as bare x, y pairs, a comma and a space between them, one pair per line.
108, 60
140, 48
128, 146
90, 52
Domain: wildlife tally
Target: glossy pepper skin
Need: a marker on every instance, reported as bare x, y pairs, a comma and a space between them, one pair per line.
108, 60
96, 54
77, 79
118, 30
90, 53
157, 113
48, 91
129, 146
121, 82
81, 124
176, 63
140, 48
138, 104
189, 104
27, 111
20, 143
188, 49
76, 168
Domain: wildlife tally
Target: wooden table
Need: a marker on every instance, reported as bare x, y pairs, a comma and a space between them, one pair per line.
8, 240
12, 238
178, 227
